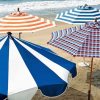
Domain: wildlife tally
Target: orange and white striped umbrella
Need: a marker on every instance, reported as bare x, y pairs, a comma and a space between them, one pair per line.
23, 22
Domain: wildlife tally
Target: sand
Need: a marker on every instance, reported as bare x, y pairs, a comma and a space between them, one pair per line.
78, 87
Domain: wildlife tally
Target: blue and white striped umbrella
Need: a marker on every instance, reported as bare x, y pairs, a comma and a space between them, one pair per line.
79, 15
26, 67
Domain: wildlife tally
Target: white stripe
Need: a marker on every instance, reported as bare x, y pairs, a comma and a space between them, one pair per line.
77, 16
78, 13
22, 20
2, 42
20, 78
34, 30
66, 18
24, 95
14, 17
57, 16
87, 10
39, 29
59, 70
30, 27
27, 23
68, 22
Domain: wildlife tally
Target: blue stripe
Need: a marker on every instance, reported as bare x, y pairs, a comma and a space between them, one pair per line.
85, 15
44, 77
2, 97
2, 38
53, 90
38, 46
85, 8
83, 18
53, 57
67, 20
85, 11
4, 58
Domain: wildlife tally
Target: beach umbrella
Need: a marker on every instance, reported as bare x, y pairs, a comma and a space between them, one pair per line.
26, 67
79, 15
18, 22
84, 42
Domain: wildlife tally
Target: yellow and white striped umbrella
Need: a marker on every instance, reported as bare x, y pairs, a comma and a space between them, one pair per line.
23, 22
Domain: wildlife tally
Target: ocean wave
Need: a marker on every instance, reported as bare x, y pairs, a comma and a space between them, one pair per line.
42, 5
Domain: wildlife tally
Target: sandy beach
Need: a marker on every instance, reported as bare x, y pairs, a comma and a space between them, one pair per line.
78, 87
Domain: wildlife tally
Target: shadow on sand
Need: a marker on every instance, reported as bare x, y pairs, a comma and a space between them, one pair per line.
95, 78
70, 94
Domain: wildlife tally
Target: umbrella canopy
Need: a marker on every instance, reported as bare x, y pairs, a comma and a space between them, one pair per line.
26, 66
23, 22
79, 15
84, 42
81, 42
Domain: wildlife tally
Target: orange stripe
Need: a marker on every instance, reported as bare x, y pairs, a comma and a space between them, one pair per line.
23, 25
31, 29
18, 18
20, 22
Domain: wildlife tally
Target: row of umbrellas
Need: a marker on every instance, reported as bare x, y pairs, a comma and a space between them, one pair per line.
23, 22
24, 62
26, 67
84, 41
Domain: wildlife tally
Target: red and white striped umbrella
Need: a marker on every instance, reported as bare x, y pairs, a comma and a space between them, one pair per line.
23, 22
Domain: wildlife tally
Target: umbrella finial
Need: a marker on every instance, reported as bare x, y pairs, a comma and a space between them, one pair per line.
96, 19
18, 10
9, 33
85, 5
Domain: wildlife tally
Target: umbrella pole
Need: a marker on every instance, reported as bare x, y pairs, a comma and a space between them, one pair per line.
89, 91
20, 35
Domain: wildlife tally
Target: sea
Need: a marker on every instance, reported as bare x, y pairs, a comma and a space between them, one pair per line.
44, 8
